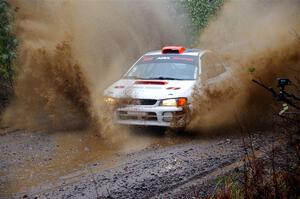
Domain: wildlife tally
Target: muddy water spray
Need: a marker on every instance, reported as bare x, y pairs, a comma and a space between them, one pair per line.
259, 34
71, 50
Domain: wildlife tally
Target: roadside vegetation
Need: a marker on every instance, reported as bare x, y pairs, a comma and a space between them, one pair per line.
277, 173
8, 47
199, 13
274, 176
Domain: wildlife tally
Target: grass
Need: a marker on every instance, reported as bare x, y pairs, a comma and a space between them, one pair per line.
277, 176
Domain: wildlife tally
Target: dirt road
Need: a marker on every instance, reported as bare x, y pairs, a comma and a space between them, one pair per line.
149, 165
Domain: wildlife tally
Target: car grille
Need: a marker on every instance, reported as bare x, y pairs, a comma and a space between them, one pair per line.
137, 102
127, 115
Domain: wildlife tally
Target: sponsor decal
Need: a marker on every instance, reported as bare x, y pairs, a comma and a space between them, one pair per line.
162, 58
183, 59
148, 58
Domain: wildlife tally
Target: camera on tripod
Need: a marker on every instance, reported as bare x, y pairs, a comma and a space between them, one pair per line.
282, 95
282, 82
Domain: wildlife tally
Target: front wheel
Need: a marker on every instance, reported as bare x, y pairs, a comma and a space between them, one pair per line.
180, 121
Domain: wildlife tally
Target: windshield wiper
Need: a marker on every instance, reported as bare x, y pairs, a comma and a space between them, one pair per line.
165, 78
160, 78
133, 77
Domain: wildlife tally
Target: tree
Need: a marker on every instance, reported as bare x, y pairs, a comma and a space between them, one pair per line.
8, 45
200, 11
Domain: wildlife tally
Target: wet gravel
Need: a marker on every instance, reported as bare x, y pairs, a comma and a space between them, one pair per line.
154, 172
17, 149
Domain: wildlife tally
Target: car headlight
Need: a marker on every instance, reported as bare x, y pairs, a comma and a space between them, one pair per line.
110, 101
174, 102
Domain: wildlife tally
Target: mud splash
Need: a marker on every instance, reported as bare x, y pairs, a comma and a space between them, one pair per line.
71, 50
52, 92
248, 34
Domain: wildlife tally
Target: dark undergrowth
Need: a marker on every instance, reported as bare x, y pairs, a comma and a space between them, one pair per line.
8, 47
276, 173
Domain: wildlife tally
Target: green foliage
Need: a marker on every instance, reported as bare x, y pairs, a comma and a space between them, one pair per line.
8, 44
251, 69
200, 11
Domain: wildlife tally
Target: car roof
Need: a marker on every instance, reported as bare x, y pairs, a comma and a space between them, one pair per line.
189, 51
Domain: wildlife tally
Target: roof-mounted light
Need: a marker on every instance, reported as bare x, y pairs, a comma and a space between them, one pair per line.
172, 49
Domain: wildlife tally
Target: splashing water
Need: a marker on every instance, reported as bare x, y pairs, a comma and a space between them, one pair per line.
248, 34
71, 50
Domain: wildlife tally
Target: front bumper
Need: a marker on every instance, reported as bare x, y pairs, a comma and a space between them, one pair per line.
150, 116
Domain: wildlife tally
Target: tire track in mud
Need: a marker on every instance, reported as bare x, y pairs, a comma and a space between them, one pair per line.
151, 172
185, 190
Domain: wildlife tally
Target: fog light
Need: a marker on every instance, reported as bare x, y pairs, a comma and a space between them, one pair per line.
109, 101
167, 116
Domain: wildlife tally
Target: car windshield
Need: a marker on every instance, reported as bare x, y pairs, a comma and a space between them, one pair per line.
165, 67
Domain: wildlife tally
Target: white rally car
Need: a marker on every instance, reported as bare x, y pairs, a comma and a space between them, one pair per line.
157, 89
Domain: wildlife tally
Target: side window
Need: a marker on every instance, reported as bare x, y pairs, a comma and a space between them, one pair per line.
211, 66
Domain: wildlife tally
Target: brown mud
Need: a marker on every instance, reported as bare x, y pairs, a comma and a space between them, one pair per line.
78, 165
257, 40
68, 55
35, 161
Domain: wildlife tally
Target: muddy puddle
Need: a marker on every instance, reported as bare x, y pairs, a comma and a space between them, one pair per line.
41, 161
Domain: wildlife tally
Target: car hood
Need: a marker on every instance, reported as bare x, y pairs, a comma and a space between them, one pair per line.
150, 89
